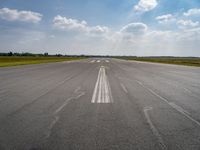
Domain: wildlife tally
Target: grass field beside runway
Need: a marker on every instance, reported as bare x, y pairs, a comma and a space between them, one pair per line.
6, 61
188, 61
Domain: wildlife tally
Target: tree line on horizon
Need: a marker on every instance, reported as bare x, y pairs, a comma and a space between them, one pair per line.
37, 55
27, 54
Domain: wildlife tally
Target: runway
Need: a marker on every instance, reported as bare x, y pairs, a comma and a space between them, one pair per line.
100, 104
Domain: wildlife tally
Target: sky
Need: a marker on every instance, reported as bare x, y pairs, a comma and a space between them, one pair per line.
101, 27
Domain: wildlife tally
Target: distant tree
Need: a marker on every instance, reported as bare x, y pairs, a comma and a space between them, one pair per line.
59, 55
46, 54
10, 54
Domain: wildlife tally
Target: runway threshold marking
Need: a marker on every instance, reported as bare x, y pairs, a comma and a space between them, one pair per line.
153, 128
102, 91
92, 61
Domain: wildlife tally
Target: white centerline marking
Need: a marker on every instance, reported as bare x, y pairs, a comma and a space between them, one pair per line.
102, 91
107, 61
98, 61
124, 88
153, 128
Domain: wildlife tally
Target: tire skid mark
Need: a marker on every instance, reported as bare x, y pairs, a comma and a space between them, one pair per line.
77, 95
153, 128
124, 88
40, 96
173, 105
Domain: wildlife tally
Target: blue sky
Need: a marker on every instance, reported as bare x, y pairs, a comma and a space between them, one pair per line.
107, 27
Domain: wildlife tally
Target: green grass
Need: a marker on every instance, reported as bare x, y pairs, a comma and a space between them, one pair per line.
6, 61
188, 61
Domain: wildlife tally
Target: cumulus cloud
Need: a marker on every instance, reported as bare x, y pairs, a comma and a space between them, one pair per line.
16, 15
192, 12
187, 24
76, 25
69, 24
98, 29
165, 18
180, 20
145, 5
137, 28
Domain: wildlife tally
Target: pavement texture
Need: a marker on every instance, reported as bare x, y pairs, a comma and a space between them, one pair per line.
100, 104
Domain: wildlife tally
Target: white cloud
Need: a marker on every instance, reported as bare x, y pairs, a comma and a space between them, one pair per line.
79, 26
179, 20
187, 24
99, 29
132, 39
165, 18
16, 15
69, 24
189, 35
137, 28
192, 12
145, 5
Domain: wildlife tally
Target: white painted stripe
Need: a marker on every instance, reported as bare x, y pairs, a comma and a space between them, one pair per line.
109, 92
111, 98
98, 61
106, 88
100, 88
96, 87
176, 107
102, 92
92, 61
103, 87
107, 61
107, 100
153, 128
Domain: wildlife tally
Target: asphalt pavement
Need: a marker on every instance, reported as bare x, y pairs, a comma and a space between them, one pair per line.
100, 104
